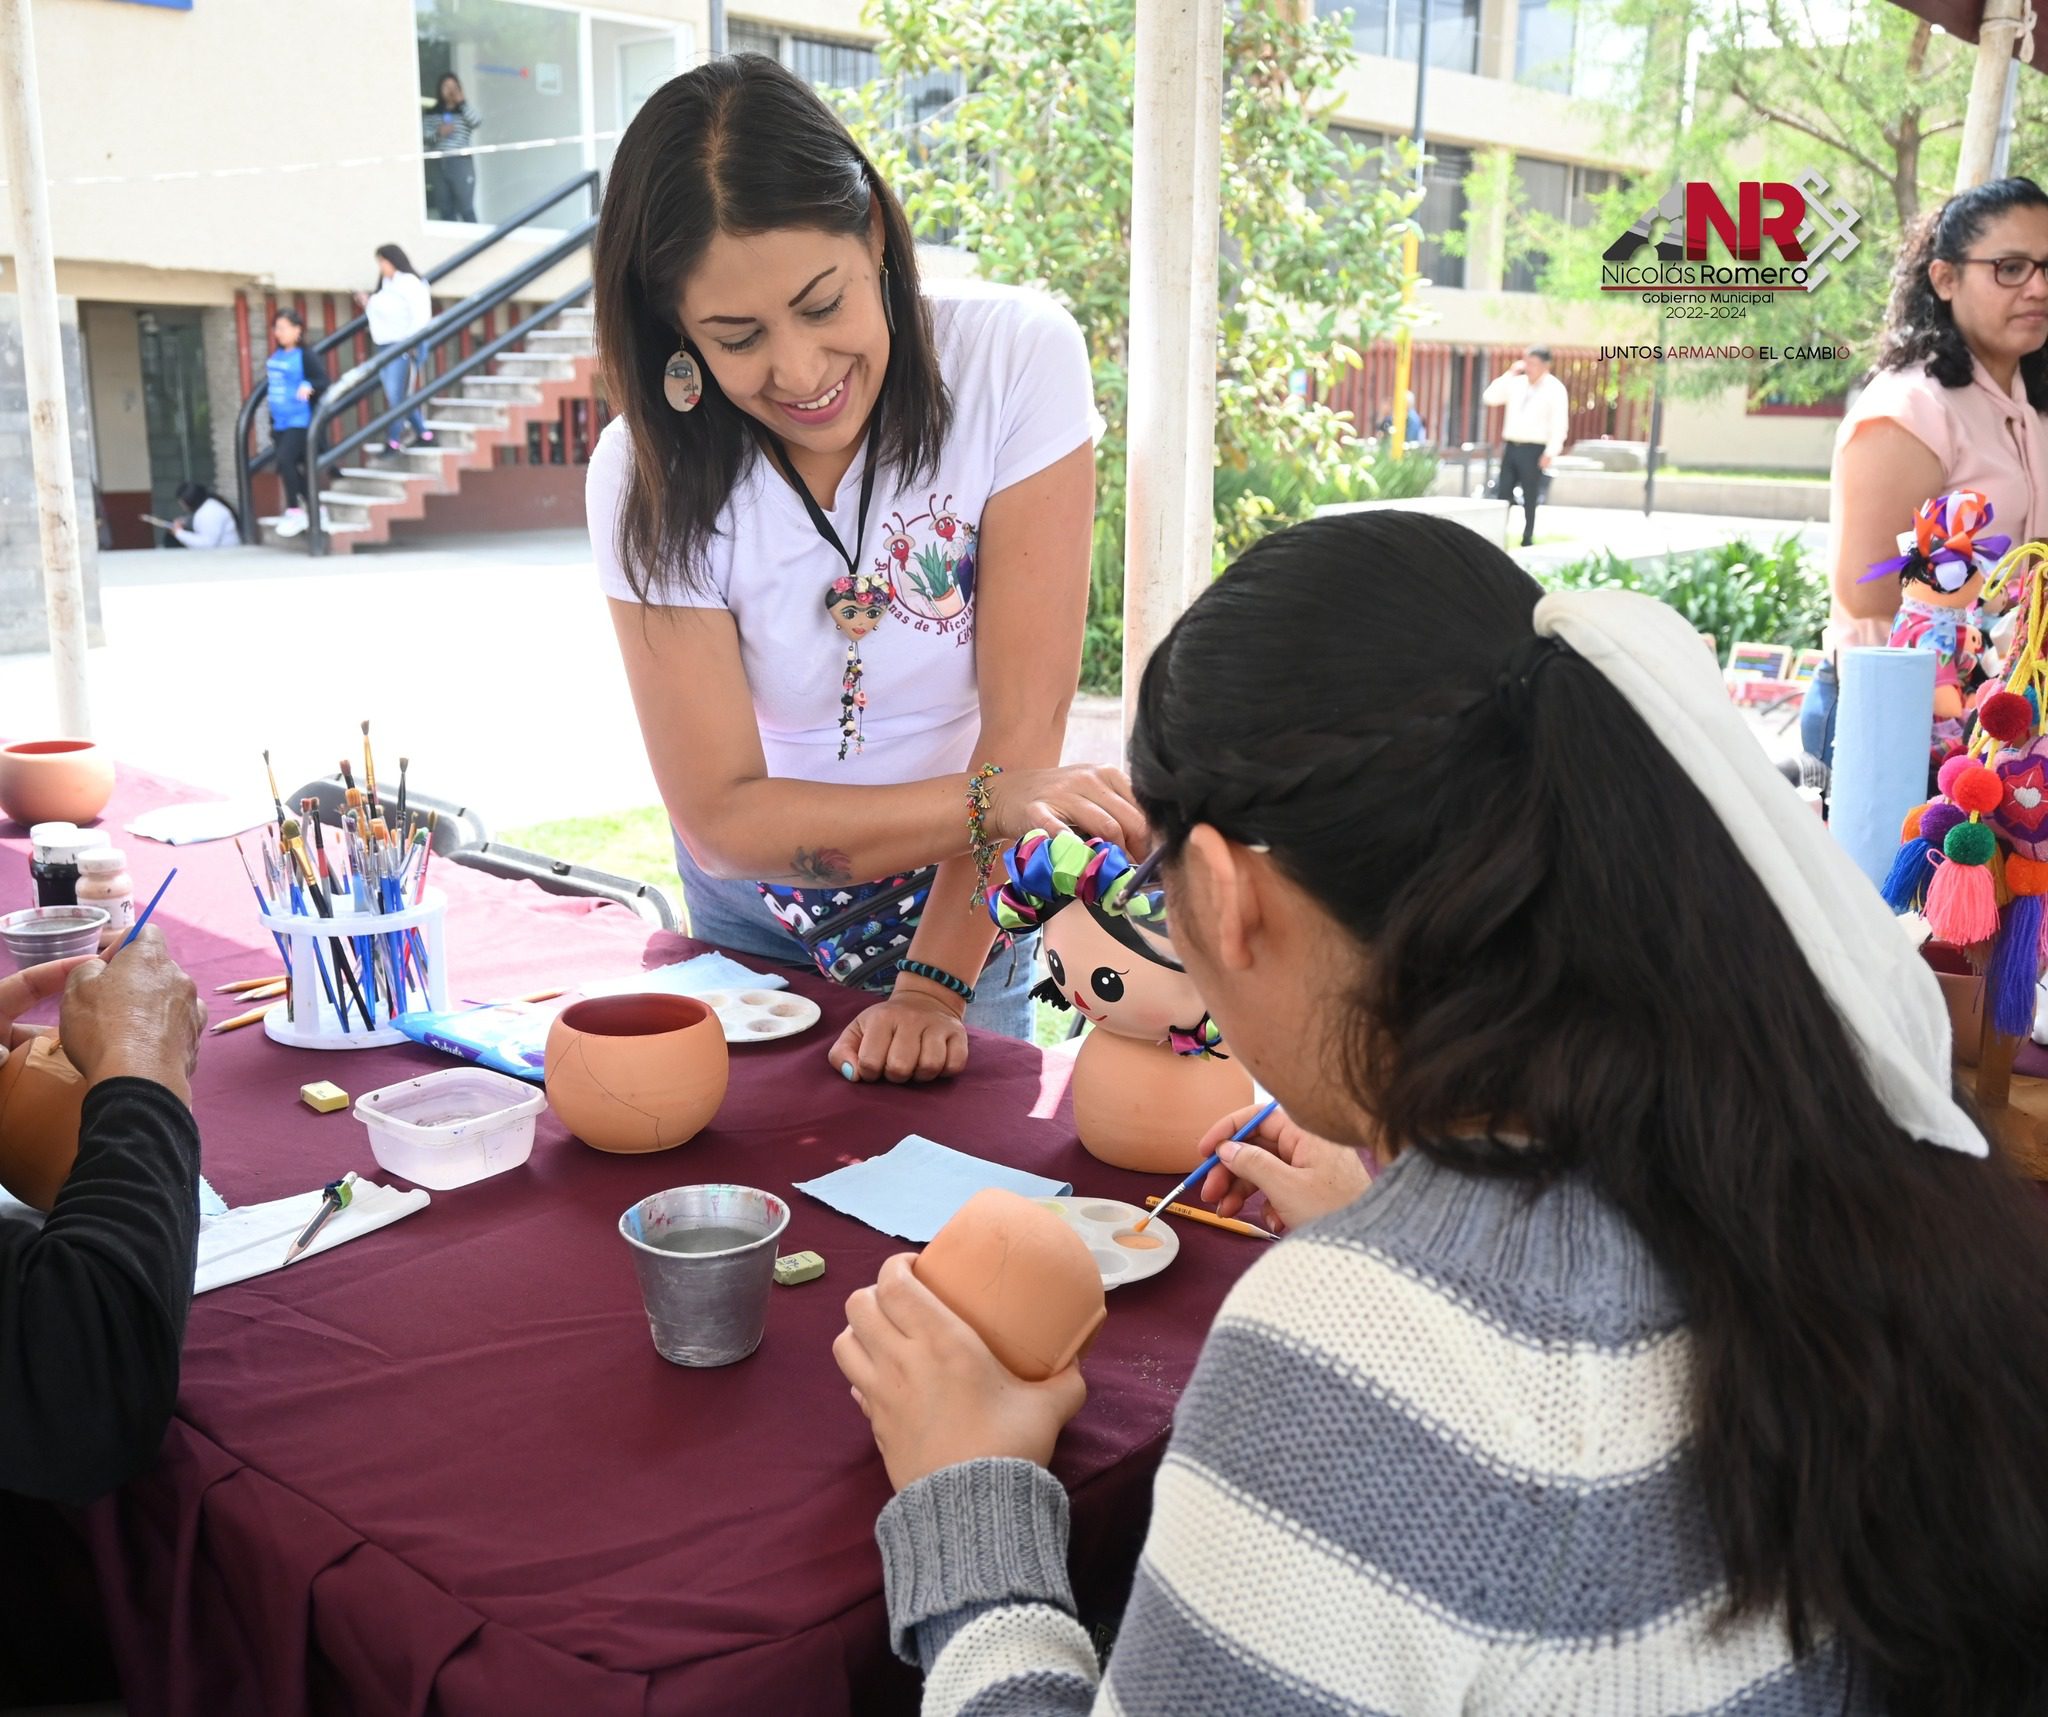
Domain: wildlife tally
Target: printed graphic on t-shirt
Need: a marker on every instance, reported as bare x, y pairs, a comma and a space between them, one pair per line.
928, 561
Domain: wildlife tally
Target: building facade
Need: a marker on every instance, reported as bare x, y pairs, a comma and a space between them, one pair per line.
212, 161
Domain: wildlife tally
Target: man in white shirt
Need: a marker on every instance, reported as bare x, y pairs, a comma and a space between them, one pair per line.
1539, 414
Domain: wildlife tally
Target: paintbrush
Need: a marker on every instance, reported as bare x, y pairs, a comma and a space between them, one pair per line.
297, 849
370, 774
1250, 1127
143, 917
275, 799
404, 763
283, 947
1209, 1219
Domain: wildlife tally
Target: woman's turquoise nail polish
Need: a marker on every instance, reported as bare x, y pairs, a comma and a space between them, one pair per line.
846, 1070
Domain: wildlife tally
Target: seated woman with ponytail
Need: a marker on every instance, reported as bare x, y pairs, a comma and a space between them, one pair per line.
1691, 1352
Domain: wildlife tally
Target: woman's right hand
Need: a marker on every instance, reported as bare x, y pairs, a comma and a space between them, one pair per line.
1089, 800
136, 1015
1302, 1174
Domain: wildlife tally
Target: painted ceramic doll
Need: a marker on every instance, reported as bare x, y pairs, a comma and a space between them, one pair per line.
1942, 565
1152, 1076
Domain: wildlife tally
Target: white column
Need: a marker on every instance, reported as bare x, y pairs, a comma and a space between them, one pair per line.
49, 424
1997, 35
1175, 183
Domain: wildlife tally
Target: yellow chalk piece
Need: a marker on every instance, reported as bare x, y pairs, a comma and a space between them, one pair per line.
323, 1097
799, 1267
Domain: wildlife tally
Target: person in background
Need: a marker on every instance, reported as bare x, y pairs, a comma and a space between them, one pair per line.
295, 379
1415, 432
1957, 402
207, 521
399, 308
1539, 417
451, 123
93, 1302
1689, 1355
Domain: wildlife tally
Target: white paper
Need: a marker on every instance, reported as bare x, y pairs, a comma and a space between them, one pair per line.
185, 825
253, 1240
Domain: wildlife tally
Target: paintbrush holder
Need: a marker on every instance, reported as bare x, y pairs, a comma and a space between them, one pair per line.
373, 945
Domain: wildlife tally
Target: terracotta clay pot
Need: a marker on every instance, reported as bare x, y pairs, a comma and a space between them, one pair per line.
1962, 987
55, 781
1139, 1106
1021, 1277
41, 1096
636, 1073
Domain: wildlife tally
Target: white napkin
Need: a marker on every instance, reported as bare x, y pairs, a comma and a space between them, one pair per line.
253, 1240
185, 825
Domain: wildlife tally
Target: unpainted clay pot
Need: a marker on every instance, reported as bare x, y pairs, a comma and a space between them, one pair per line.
636, 1073
1021, 1277
1139, 1106
41, 1096
55, 781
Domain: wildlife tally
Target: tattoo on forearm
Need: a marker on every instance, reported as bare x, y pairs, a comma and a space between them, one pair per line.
820, 864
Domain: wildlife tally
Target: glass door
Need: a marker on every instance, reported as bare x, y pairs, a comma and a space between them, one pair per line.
177, 417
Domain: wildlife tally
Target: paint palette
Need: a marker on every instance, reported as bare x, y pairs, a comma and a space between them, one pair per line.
1100, 1220
761, 1016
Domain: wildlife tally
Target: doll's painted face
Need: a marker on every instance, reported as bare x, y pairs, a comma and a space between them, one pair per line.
1115, 986
857, 616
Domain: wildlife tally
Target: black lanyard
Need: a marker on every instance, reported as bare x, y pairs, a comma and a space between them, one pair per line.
819, 521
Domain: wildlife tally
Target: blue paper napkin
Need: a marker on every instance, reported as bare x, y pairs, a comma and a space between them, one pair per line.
698, 977
913, 1190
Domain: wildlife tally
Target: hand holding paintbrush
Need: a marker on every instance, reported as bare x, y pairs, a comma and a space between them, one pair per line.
1303, 1175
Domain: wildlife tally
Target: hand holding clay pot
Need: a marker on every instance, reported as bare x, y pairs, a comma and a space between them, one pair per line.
933, 1392
1020, 1278
39, 1132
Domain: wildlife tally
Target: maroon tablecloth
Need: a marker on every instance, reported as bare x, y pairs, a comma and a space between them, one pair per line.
442, 1469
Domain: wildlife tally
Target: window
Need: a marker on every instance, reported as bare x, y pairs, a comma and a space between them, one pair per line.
1545, 188
1392, 29
742, 37
1545, 31
1443, 211
560, 83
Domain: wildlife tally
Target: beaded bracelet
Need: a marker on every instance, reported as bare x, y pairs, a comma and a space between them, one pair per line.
932, 974
985, 850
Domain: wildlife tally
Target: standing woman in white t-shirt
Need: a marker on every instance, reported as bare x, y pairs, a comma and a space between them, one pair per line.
845, 527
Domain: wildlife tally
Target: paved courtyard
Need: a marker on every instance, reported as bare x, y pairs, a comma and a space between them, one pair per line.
488, 660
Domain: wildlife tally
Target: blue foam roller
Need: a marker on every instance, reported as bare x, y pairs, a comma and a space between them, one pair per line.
1884, 723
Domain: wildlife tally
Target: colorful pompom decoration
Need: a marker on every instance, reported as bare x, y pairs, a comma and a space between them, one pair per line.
1977, 790
2008, 719
1951, 769
1937, 819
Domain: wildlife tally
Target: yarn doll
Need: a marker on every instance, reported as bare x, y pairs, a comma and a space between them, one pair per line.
1153, 1074
1941, 566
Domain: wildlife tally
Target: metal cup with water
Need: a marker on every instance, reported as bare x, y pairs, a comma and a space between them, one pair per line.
705, 1256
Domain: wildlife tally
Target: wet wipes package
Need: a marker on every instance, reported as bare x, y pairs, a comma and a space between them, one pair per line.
511, 1037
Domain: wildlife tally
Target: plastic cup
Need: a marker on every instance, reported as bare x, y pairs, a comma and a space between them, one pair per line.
705, 1307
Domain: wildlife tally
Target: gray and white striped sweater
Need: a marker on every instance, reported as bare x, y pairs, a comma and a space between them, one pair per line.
1433, 1462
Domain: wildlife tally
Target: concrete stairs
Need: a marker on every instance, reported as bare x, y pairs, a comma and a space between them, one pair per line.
485, 411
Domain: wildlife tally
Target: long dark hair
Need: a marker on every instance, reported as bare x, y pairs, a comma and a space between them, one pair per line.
741, 146
193, 496
441, 93
1919, 326
392, 254
1564, 940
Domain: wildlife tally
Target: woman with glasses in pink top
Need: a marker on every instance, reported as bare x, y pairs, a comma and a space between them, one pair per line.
1956, 402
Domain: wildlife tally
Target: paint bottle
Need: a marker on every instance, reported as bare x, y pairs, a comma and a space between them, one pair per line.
103, 881
53, 861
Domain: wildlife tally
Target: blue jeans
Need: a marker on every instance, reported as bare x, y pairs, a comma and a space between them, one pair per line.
735, 917
397, 379
1817, 715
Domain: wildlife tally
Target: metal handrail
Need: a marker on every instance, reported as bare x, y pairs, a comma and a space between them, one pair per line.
316, 535
246, 466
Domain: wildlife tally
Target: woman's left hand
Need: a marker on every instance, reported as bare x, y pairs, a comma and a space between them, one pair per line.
931, 1389
913, 1036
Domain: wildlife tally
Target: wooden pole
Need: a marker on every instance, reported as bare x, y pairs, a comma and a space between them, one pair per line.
42, 347
1997, 35
1176, 184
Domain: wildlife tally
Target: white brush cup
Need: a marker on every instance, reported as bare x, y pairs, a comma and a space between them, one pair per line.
312, 1022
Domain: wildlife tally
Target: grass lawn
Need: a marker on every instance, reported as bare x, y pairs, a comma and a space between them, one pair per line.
637, 844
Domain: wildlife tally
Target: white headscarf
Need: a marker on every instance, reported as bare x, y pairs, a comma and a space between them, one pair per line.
1885, 993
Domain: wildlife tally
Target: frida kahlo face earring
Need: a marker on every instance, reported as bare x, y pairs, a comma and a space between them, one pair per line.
682, 383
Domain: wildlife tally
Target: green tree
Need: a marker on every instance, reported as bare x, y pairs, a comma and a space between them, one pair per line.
1030, 170
1725, 90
